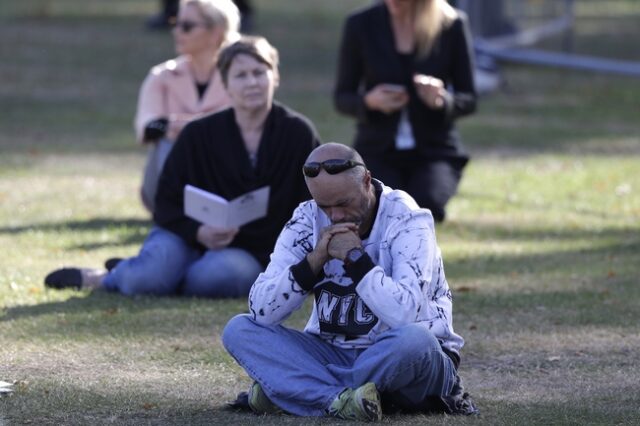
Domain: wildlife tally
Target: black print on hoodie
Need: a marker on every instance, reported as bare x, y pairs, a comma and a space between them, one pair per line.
341, 311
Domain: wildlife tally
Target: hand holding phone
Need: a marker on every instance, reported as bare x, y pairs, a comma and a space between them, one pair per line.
431, 90
393, 88
387, 98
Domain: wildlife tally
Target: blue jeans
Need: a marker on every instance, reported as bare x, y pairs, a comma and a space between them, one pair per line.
167, 265
303, 374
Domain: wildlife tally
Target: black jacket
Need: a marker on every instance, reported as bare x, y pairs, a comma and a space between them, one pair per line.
210, 155
368, 57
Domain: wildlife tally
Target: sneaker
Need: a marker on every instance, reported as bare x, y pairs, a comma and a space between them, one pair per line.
259, 402
75, 278
360, 404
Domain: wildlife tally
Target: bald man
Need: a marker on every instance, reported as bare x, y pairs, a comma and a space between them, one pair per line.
381, 324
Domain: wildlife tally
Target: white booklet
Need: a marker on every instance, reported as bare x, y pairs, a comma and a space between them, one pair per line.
211, 209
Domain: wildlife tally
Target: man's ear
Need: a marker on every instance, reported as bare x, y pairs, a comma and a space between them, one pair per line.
366, 179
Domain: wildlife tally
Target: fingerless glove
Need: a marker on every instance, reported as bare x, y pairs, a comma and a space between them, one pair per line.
156, 130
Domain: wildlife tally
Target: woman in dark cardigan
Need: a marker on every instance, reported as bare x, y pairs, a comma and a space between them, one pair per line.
256, 143
405, 73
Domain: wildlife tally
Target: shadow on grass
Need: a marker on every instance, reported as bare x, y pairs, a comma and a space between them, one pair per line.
595, 254
601, 262
598, 407
557, 206
149, 408
505, 232
102, 313
94, 224
111, 315
540, 312
578, 277
126, 231
604, 405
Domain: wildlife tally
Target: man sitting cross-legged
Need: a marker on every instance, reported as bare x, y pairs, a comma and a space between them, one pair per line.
381, 325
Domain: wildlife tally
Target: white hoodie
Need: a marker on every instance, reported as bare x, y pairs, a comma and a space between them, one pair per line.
400, 282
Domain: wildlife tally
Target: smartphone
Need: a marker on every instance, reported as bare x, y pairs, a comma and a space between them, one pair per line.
394, 88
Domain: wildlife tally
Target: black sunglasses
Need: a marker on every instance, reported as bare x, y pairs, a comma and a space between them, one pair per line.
332, 167
187, 26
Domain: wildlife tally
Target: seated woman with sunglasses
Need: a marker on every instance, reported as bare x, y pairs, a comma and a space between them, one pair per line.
255, 143
187, 87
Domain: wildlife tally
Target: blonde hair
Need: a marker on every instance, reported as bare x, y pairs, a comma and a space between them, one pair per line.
219, 13
431, 17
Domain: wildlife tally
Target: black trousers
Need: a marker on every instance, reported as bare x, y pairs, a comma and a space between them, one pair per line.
430, 182
170, 8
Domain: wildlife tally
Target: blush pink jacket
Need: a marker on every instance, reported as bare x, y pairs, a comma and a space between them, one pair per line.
169, 91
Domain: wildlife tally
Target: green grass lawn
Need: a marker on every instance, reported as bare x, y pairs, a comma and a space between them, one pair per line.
542, 248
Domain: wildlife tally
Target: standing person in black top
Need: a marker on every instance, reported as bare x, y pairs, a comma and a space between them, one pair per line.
164, 18
405, 73
255, 143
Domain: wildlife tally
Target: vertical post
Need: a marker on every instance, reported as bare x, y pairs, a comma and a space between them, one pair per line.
567, 38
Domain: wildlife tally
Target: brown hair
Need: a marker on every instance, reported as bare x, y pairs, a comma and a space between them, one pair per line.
257, 47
